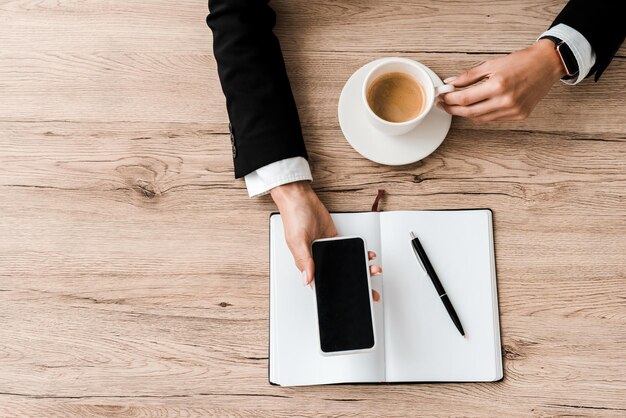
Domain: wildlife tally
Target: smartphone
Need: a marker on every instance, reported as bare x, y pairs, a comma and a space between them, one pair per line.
345, 315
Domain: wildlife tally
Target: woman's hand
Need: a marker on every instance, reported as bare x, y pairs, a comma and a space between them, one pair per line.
374, 271
511, 86
306, 219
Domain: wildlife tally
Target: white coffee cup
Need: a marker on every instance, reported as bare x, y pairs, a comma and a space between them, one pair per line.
420, 75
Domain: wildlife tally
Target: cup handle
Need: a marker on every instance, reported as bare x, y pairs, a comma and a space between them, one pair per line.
446, 88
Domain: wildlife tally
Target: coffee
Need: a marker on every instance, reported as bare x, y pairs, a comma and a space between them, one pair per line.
396, 97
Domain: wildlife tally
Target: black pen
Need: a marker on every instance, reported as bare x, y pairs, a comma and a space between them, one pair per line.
425, 262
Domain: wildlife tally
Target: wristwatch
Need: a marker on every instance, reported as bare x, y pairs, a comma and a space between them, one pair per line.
567, 57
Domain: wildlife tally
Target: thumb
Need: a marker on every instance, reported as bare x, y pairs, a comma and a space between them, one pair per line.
468, 77
304, 261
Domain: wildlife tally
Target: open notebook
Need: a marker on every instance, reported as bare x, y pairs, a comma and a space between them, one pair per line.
415, 338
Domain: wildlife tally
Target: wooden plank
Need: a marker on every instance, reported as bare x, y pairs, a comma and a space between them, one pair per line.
152, 88
367, 25
177, 156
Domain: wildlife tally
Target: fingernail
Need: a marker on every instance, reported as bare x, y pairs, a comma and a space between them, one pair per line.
449, 80
305, 278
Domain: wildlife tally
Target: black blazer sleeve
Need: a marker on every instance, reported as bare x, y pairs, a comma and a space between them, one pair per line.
601, 22
263, 117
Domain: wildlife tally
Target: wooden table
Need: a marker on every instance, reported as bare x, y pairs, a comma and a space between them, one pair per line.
134, 268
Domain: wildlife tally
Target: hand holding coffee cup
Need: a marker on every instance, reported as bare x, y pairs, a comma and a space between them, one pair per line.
398, 94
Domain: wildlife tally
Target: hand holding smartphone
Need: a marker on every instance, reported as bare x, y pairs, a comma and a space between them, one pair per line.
345, 313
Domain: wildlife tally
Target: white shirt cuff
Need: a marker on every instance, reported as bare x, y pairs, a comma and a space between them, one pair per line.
281, 172
580, 46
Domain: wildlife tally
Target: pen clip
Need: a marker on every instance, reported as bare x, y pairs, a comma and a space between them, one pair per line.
419, 259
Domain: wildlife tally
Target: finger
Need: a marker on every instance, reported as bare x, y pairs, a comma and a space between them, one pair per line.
496, 115
514, 113
371, 255
375, 270
468, 77
510, 117
472, 111
301, 252
375, 296
469, 96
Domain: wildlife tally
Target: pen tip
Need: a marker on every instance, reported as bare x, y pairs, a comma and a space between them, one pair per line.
412, 235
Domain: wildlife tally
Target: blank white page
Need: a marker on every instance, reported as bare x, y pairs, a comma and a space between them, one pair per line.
422, 343
295, 355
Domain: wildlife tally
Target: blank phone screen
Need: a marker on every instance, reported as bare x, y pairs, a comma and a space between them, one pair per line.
343, 295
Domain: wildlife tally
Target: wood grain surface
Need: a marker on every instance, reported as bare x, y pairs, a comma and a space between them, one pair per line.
134, 268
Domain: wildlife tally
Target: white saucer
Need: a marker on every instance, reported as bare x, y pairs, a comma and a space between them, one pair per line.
382, 148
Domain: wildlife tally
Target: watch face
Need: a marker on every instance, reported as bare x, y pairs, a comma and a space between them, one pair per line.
568, 59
